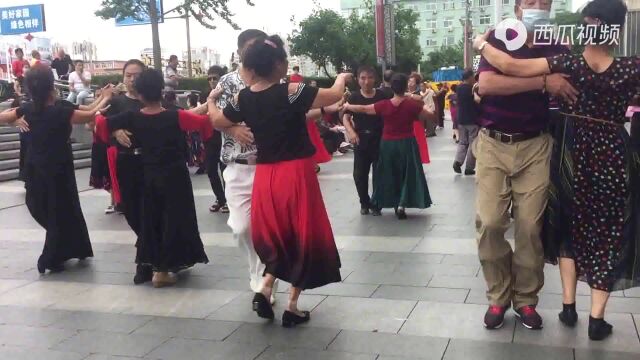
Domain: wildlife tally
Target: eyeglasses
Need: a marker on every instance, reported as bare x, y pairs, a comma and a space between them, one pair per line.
213, 78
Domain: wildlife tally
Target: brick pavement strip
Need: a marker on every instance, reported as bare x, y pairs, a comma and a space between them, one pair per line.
411, 290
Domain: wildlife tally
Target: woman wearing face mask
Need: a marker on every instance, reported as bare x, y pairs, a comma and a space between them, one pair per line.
592, 216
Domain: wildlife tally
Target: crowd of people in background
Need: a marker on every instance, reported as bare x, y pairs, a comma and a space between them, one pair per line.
568, 179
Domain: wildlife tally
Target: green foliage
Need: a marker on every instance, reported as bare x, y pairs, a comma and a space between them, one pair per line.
205, 11
445, 56
195, 83
570, 18
331, 40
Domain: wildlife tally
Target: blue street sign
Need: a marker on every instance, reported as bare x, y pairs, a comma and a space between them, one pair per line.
129, 21
23, 19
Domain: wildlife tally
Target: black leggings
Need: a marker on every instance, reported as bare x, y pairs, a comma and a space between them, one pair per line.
212, 148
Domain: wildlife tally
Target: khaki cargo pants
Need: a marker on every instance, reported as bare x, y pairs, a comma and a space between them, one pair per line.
515, 174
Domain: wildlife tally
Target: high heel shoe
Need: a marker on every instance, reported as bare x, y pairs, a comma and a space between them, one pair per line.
401, 214
290, 319
162, 279
262, 306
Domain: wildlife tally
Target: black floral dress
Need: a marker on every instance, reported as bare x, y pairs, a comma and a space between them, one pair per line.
593, 213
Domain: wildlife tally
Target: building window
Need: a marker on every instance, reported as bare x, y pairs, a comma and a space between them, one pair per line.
431, 24
448, 6
448, 41
485, 20
484, 2
448, 22
432, 6
506, 2
431, 42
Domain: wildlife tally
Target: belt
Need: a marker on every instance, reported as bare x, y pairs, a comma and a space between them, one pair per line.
250, 161
136, 151
511, 138
368, 132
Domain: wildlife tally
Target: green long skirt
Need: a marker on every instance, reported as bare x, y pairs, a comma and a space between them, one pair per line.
399, 178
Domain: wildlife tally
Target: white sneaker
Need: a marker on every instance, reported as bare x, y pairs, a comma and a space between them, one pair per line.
110, 209
338, 153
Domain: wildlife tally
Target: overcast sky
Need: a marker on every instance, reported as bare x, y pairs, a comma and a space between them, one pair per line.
75, 21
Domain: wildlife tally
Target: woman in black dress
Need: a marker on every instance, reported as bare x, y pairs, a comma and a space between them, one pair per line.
170, 240
593, 216
289, 224
52, 193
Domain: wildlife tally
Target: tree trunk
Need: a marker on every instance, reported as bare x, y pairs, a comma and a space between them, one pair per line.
155, 34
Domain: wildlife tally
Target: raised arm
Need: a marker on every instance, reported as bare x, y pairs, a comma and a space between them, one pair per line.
217, 117
362, 109
331, 109
332, 95
85, 116
509, 65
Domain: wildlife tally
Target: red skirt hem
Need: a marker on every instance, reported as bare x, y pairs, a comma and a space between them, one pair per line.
322, 155
112, 158
290, 227
419, 133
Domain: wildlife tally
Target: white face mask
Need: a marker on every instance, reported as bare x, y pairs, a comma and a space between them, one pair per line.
535, 17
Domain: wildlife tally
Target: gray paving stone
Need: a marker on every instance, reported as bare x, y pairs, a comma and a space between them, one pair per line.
385, 257
461, 260
421, 293
109, 357
12, 315
100, 321
35, 337
240, 308
274, 335
457, 282
344, 289
390, 344
361, 314
111, 343
188, 328
458, 321
417, 278
624, 337
588, 354
23, 353
440, 269
205, 350
434, 245
297, 354
481, 350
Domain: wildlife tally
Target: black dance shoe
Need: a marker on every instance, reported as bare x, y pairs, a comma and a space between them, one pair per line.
42, 268
457, 167
568, 316
364, 210
290, 319
469, 172
401, 214
143, 274
376, 212
262, 306
599, 329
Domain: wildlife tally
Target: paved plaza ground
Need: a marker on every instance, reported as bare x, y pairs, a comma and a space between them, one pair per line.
411, 290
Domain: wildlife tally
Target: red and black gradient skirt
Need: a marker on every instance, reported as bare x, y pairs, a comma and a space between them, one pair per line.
290, 227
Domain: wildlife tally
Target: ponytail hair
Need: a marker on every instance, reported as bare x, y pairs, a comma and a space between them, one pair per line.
264, 55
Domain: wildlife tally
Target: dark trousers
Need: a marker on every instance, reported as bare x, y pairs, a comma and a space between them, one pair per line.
365, 157
212, 148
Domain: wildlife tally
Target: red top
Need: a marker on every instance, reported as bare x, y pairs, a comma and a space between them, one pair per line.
296, 78
194, 122
398, 120
18, 67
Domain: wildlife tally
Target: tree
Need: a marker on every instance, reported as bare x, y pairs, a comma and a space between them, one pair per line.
205, 11
444, 57
571, 19
330, 39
